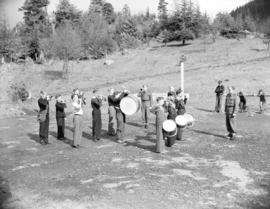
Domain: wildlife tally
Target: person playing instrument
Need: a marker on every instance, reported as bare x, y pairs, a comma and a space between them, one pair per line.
96, 103
147, 100
60, 106
242, 102
171, 92
44, 117
112, 113
219, 96
230, 111
262, 103
159, 111
77, 103
181, 110
120, 116
172, 113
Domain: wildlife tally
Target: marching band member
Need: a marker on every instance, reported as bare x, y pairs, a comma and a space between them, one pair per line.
171, 92
219, 96
262, 100
230, 111
44, 117
77, 102
60, 106
112, 113
172, 113
96, 103
159, 111
146, 99
181, 110
242, 102
120, 116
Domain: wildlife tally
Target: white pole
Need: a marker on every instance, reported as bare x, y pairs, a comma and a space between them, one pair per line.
182, 79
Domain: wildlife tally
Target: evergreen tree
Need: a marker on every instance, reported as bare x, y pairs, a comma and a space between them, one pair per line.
66, 12
126, 11
37, 25
162, 13
5, 40
108, 12
96, 6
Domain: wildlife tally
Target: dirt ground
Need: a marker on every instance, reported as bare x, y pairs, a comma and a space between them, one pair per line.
204, 171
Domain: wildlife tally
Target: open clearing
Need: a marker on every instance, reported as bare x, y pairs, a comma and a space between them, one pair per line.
205, 171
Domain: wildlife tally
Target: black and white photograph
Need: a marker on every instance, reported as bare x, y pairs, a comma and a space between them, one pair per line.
135, 104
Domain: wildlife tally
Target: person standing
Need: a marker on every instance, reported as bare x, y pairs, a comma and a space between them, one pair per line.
230, 111
120, 116
219, 96
77, 118
44, 118
262, 103
181, 110
242, 102
60, 117
171, 92
159, 111
172, 114
96, 103
112, 113
146, 99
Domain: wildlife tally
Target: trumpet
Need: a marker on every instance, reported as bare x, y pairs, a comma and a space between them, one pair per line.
102, 98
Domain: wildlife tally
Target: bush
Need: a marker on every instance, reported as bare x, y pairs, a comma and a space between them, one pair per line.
18, 92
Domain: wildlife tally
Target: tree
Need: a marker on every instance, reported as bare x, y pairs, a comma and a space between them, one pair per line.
5, 39
108, 12
224, 21
37, 26
96, 6
162, 13
126, 11
66, 12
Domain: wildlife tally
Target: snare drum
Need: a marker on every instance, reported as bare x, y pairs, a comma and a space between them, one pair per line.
169, 128
190, 119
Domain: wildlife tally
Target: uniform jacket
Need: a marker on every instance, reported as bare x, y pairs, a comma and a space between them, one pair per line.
180, 106
230, 104
60, 110
220, 90
146, 97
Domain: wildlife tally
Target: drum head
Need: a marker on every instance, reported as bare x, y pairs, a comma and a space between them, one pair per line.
129, 105
181, 120
189, 118
169, 126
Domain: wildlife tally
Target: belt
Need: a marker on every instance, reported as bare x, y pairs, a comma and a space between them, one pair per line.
145, 100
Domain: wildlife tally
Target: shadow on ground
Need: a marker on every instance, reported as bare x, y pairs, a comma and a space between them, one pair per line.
5, 194
207, 133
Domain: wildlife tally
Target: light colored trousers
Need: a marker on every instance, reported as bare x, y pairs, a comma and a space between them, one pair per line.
77, 134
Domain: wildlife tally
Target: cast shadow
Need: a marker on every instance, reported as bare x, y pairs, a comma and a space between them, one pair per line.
53, 75
138, 143
134, 124
5, 194
204, 110
34, 137
208, 133
66, 140
178, 45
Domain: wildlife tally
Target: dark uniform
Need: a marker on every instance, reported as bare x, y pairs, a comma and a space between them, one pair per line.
146, 98
120, 117
230, 110
160, 118
112, 115
44, 124
219, 96
262, 100
172, 114
60, 119
96, 117
242, 102
181, 110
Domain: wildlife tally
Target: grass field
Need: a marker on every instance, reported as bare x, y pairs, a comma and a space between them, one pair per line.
203, 171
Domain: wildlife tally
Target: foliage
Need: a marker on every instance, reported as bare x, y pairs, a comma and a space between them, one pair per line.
18, 92
66, 12
96, 6
37, 26
162, 13
108, 12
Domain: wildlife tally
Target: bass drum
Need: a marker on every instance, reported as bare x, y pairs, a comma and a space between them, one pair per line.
130, 105
190, 119
181, 121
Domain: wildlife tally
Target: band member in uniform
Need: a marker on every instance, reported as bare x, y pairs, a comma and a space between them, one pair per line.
230, 111
219, 96
44, 117
96, 103
77, 103
181, 110
146, 98
172, 114
171, 92
120, 116
112, 113
262, 100
159, 111
60, 117
242, 102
